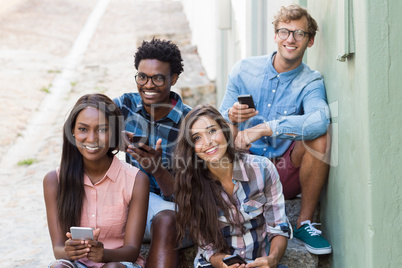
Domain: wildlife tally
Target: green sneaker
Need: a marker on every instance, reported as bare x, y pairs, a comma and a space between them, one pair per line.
313, 241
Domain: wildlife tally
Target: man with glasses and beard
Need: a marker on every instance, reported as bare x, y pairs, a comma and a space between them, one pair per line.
152, 121
291, 116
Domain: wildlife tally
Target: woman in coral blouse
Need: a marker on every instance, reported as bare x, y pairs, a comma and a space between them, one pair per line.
93, 188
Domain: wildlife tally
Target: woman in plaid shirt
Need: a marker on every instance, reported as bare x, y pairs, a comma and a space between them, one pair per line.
229, 202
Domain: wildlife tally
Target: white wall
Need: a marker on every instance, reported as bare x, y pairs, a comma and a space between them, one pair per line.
272, 8
202, 18
226, 31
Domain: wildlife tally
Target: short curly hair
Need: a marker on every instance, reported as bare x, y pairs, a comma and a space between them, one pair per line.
295, 12
162, 50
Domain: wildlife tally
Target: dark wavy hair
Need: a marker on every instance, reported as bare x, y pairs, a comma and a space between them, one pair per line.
70, 193
295, 12
162, 50
198, 195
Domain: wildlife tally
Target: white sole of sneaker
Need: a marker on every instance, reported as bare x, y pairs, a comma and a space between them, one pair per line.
316, 251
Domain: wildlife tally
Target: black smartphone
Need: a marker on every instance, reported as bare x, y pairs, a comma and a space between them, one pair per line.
246, 99
234, 259
137, 139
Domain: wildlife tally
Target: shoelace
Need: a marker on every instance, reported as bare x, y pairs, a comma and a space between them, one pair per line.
311, 229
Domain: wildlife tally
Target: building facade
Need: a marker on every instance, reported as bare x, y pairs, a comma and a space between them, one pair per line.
358, 52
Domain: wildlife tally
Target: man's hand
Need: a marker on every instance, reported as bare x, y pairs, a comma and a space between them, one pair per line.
246, 137
150, 159
239, 113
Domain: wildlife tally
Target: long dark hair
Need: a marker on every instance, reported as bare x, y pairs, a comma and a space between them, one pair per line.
199, 196
70, 193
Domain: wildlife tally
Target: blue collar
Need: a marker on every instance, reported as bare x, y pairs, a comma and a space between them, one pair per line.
283, 77
175, 114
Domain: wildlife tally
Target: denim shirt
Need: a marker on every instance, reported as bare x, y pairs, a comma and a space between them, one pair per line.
137, 120
292, 103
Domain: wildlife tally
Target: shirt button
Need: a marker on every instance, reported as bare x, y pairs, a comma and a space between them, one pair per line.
93, 215
285, 112
273, 90
269, 104
277, 133
264, 149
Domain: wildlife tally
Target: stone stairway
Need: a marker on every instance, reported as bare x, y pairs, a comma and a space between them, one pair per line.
296, 255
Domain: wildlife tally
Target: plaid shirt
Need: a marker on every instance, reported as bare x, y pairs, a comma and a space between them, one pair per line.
137, 120
261, 204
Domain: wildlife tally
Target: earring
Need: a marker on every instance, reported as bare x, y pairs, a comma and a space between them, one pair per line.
73, 135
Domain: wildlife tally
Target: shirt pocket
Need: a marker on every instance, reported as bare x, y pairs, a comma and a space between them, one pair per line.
255, 205
282, 111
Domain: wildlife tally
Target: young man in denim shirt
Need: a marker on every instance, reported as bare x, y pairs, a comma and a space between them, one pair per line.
290, 122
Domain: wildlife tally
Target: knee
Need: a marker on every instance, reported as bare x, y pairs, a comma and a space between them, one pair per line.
164, 221
320, 144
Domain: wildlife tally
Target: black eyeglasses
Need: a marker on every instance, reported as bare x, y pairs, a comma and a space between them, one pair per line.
298, 35
158, 79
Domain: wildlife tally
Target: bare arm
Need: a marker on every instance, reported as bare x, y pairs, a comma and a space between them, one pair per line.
246, 137
63, 248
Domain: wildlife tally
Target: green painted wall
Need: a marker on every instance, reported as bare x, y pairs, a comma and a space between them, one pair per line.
362, 203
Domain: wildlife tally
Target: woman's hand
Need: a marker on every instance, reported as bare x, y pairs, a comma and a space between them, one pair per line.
264, 262
96, 249
75, 249
217, 261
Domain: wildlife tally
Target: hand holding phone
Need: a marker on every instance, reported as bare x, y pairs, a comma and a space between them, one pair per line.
239, 114
130, 138
82, 233
233, 260
246, 99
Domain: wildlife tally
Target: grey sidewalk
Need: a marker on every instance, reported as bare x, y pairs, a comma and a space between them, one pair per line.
36, 38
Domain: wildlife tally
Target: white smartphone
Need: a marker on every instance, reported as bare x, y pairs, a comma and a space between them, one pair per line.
82, 233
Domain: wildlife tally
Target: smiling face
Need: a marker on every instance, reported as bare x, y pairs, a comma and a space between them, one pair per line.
91, 133
209, 140
151, 94
290, 52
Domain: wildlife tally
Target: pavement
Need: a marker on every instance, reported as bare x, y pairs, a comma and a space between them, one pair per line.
51, 53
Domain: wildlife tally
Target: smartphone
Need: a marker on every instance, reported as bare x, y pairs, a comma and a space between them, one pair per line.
246, 99
234, 259
82, 233
137, 139
134, 140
